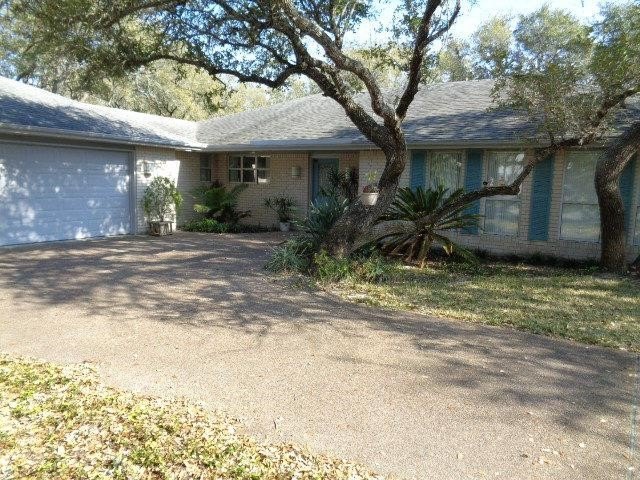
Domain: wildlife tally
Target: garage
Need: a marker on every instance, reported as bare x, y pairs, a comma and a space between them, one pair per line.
52, 193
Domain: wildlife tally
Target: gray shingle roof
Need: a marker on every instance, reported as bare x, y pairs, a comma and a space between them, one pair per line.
24, 107
456, 113
449, 113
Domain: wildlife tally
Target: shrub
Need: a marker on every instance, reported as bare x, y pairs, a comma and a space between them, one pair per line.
412, 205
161, 199
323, 213
208, 225
331, 269
372, 268
291, 256
219, 203
282, 206
211, 225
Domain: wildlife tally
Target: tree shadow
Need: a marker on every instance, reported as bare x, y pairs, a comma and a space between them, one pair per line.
206, 282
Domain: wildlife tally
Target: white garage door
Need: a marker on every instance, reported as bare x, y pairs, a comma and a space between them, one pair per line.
59, 193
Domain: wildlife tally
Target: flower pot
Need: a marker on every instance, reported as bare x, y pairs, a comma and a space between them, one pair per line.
285, 226
369, 199
160, 229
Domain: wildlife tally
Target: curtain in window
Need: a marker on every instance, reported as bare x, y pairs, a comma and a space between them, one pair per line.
502, 212
444, 169
580, 219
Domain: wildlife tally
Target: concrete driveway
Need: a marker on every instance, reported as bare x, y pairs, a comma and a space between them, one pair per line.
196, 315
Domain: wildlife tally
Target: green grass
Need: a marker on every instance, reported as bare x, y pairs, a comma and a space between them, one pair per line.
61, 423
570, 303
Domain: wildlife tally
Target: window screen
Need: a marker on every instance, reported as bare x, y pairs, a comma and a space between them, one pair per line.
502, 213
580, 219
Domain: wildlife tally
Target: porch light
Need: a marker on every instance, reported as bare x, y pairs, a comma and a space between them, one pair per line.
146, 168
296, 171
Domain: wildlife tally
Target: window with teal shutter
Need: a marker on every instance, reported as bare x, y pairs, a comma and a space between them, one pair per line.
418, 170
541, 191
626, 190
473, 181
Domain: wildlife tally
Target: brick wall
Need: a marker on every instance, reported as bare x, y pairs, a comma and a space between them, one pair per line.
181, 167
520, 244
281, 182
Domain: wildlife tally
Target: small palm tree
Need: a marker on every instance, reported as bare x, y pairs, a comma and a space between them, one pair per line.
412, 205
216, 202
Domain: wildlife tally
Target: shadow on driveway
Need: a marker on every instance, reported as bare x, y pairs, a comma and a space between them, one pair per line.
197, 315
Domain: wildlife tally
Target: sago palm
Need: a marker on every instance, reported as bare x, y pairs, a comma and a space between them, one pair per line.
412, 205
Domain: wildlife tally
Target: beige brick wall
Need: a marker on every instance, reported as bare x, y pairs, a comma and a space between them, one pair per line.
181, 167
281, 182
520, 244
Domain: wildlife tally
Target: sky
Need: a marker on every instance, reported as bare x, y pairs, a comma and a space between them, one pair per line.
475, 13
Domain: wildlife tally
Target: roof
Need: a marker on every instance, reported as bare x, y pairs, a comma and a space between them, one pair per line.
446, 114
441, 114
25, 108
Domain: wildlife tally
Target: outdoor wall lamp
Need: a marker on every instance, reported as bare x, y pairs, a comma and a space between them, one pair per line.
146, 168
296, 171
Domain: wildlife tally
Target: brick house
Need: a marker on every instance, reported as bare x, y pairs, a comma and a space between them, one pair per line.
73, 170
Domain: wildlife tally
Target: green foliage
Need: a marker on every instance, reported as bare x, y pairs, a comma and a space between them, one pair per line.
161, 199
215, 201
210, 225
413, 205
342, 184
294, 255
370, 268
282, 206
322, 215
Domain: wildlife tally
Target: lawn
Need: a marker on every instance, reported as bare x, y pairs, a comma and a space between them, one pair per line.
62, 423
571, 303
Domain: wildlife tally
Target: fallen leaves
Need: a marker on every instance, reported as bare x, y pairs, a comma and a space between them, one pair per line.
60, 422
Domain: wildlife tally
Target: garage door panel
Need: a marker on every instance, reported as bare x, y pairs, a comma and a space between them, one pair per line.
55, 193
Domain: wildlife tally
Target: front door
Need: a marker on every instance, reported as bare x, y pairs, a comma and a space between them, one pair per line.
320, 175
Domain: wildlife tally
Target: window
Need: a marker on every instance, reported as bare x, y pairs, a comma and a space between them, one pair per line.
205, 169
444, 169
580, 218
249, 169
502, 212
636, 236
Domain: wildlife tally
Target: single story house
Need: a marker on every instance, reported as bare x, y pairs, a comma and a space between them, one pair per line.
71, 170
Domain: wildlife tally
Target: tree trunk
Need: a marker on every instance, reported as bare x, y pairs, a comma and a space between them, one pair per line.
344, 236
608, 170
612, 256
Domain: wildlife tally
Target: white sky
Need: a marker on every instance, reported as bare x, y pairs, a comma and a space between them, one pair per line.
474, 13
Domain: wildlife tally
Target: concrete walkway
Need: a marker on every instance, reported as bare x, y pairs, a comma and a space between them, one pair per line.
196, 315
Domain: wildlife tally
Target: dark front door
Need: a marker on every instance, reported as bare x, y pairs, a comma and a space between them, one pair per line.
320, 175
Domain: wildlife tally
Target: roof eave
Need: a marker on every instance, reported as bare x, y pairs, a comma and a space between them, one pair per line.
15, 129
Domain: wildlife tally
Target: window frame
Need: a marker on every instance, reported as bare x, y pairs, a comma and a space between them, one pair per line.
510, 199
563, 203
255, 168
208, 168
428, 167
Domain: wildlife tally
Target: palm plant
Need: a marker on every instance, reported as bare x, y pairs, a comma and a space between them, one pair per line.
282, 206
412, 205
215, 201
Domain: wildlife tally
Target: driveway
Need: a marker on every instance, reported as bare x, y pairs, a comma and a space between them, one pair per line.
196, 315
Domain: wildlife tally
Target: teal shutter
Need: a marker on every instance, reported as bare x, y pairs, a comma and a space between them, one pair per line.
418, 170
542, 185
473, 181
626, 190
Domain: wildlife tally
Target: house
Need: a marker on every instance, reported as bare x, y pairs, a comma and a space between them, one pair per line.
72, 170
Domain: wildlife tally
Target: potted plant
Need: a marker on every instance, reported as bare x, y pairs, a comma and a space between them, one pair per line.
370, 191
160, 202
283, 206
